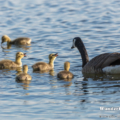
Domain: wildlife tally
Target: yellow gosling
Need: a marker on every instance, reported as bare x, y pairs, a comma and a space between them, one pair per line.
65, 74
24, 75
42, 66
17, 41
8, 64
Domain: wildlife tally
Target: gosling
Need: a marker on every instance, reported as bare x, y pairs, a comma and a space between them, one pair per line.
24, 75
42, 66
65, 74
8, 64
17, 41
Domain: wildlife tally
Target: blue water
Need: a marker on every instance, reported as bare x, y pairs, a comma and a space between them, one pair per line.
52, 25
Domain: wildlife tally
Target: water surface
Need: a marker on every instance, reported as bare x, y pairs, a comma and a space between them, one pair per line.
52, 25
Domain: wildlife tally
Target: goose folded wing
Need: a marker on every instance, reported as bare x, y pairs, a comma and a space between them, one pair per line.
112, 59
104, 60
101, 61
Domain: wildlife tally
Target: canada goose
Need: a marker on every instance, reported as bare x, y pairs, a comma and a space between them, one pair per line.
24, 75
65, 74
17, 41
103, 63
42, 66
8, 64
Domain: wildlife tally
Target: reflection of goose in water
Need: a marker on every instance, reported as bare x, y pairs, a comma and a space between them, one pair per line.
24, 76
25, 84
9, 64
65, 74
67, 84
18, 47
101, 77
17, 41
107, 62
6, 71
42, 66
18, 70
51, 72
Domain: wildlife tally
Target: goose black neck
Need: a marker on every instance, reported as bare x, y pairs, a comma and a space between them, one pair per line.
83, 52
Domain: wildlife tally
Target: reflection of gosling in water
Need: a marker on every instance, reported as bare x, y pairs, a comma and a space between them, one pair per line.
24, 75
65, 74
17, 41
42, 66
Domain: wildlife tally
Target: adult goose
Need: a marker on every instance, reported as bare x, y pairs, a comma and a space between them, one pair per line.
17, 41
9, 64
103, 63
42, 66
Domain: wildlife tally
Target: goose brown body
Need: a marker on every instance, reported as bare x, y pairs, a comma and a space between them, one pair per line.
24, 75
99, 62
8, 64
42, 66
65, 74
17, 41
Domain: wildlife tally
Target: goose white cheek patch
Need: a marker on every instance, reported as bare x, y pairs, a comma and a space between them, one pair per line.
73, 45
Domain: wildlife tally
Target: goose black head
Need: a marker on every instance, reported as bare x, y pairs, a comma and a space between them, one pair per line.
75, 42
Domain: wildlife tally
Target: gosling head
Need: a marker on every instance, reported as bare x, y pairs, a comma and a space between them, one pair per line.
5, 38
20, 55
25, 68
75, 42
53, 56
67, 66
